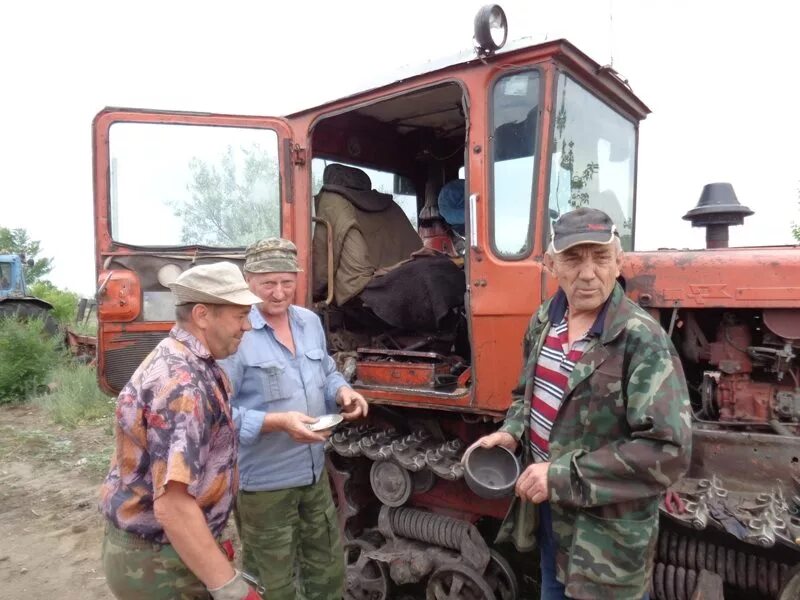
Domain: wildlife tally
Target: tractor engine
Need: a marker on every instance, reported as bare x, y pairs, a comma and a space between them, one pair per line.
754, 380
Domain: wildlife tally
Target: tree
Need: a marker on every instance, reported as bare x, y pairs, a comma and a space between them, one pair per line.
796, 227
16, 241
578, 181
234, 202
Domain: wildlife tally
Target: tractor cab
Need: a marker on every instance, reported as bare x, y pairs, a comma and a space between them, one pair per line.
15, 299
12, 282
432, 201
421, 210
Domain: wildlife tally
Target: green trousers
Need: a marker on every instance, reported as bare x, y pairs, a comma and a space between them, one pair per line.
136, 569
291, 542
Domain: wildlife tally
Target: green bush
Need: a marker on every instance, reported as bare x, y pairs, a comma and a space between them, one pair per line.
27, 356
75, 397
65, 303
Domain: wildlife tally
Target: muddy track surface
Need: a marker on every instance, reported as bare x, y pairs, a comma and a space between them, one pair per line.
50, 529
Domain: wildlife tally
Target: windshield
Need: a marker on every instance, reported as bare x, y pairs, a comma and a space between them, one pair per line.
594, 158
177, 185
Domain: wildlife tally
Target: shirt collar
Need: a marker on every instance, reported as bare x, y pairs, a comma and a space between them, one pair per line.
559, 306
258, 321
194, 345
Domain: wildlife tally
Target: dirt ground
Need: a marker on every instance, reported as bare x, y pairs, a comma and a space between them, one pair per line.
50, 529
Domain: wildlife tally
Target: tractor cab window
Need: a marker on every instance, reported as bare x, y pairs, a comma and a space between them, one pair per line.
5, 276
180, 185
593, 162
515, 114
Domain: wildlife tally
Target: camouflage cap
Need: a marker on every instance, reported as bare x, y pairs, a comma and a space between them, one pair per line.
272, 255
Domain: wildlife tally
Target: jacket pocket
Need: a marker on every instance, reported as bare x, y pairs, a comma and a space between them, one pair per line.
612, 554
314, 360
520, 525
273, 381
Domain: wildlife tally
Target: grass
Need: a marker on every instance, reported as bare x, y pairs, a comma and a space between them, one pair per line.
91, 458
72, 425
34, 442
27, 356
85, 327
56, 412
75, 398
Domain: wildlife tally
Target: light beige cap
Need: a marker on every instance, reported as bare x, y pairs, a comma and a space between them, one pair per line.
215, 283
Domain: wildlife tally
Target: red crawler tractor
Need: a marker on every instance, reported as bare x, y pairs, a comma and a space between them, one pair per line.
434, 344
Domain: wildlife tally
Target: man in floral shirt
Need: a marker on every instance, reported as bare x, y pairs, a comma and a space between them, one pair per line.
173, 478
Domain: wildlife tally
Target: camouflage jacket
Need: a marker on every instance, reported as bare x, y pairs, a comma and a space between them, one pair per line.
621, 437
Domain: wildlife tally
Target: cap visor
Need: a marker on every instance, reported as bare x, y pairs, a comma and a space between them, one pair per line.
187, 295
242, 298
588, 237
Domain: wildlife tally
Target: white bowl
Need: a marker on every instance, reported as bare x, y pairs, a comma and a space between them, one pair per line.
326, 422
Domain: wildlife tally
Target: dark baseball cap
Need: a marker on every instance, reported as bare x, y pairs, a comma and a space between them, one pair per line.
583, 226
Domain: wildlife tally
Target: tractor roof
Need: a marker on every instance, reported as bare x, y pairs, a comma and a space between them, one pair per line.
563, 50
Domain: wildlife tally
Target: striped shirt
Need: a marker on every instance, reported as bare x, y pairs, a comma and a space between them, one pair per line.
553, 368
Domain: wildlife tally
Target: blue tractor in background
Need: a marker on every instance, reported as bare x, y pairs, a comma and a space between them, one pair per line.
15, 301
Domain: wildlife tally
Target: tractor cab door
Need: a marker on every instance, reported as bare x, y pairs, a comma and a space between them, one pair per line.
505, 227
172, 190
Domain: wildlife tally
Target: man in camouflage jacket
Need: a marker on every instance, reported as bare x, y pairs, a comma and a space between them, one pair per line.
603, 412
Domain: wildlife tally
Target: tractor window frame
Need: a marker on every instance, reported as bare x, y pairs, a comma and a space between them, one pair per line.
111, 184
527, 248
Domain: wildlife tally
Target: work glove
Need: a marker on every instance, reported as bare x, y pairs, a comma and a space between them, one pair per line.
235, 589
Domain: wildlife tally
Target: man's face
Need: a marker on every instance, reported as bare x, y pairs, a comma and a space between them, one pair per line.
224, 325
586, 273
276, 291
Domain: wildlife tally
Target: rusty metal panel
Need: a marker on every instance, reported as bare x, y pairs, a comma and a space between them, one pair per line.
734, 456
118, 296
400, 374
722, 278
459, 501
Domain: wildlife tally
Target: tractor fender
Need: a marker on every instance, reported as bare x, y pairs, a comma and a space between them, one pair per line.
28, 300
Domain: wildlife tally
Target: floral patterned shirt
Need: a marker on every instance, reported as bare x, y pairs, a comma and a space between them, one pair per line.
173, 423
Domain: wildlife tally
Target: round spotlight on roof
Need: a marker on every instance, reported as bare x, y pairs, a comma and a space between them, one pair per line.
491, 29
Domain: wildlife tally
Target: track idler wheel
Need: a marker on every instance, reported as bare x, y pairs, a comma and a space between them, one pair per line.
458, 582
501, 577
365, 578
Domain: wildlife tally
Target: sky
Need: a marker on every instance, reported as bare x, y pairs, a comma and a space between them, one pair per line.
717, 75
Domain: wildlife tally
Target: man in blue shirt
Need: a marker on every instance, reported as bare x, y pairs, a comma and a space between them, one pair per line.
283, 380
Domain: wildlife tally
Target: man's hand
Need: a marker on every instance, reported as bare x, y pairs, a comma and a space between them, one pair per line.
532, 484
353, 404
498, 438
235, 589
296, 425
674, 503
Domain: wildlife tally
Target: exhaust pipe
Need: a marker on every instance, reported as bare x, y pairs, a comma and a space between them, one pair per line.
717, 209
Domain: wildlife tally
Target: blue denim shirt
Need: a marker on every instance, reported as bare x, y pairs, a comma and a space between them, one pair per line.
266, 378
